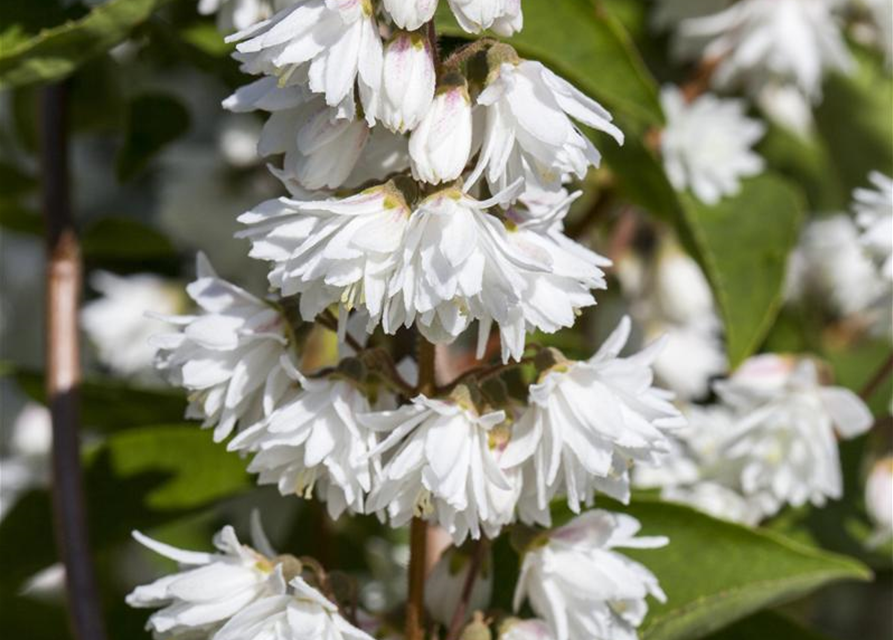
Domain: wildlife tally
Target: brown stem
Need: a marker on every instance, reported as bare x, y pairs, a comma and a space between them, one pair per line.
459, 615
435, 49
63, 369
877, 379
418, 535
415, 605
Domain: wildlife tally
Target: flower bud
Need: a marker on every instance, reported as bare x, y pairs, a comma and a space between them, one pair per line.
410, 14
879, 500
444, 586
440, 146
408, 81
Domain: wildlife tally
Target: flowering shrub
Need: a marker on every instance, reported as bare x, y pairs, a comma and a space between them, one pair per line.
519, 303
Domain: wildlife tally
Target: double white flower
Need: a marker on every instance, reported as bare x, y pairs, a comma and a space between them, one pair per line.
302, 614
874, 215
528, 128
761, 42
211, 588
117, 322
330, 44
313, 440
460, 264
783, 443
581, 586
228, 357
335, 250
446, 468
706, 145
586, 424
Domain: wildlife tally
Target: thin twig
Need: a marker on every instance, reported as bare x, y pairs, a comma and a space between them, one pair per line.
459, 615
877, 379
485, 373
63, 370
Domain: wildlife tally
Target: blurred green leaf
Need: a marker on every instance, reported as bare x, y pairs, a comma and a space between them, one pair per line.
118, 239
743, 244
136, 479
855, 121
14, 216
153, 121
579, 40
715, 573
766, 626
205, 37
112, 405
57, 51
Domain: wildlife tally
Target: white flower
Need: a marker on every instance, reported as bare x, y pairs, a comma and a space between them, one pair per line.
528, 130
210, 589
323, 147
446, 583
669, 295
228, 356
761, 41
335, 250
831, 265
504, 17
533, 629
587, 423
440, 147
786, 106
552, 300
117, 324
446, 468
234, 15
333, 44
879, 500
693, 355
302, 614
874, 214
782, 446
313, 439
410, 14
407, 85
27, 463
707, 144
717, 500
581, 586
461, 264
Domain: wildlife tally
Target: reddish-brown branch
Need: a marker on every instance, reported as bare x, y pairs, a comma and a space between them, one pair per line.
461, 612
63, 370
877, 379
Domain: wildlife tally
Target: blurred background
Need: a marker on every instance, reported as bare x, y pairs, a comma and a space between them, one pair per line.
160, 171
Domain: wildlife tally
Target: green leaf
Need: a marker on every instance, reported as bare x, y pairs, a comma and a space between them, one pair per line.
56, 52
153, 121
715, 573
743, 244
118, 239
854, 120
579, 40
205, 37
769, 626
112, 405
136, 479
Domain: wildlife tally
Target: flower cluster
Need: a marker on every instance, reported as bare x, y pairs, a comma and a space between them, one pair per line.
426, 196
238, 593
771, 442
